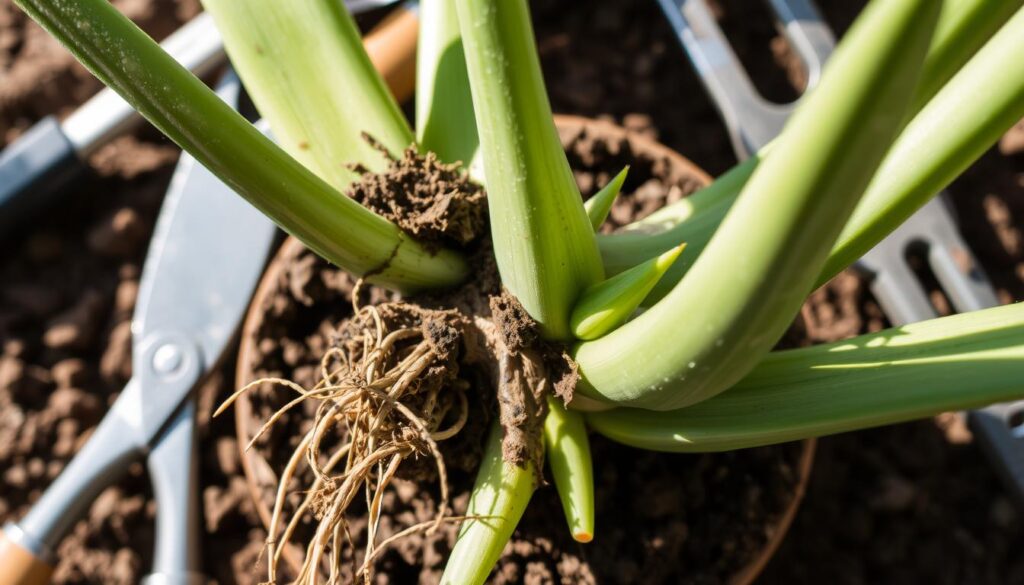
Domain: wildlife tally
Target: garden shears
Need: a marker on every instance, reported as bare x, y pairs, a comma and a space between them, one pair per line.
931, 232
207, 253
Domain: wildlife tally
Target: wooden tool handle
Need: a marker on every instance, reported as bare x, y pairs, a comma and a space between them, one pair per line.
18, 566
392, 49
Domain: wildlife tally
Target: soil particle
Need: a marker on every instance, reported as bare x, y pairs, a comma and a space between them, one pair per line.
124, 297
444, 333
117, 235
12, 371
433, 201
220, 502
77, 327
116, 361
1013, 141
69, 373
74, 403
226, 449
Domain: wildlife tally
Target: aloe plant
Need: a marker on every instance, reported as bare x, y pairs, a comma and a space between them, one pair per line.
915, 92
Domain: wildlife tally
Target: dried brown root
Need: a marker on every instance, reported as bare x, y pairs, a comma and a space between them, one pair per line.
389, 391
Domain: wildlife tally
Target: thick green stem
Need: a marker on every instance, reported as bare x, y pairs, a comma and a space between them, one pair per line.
295, 57
744, 290
499, 498
568, 453
964, 26
445, 122
543, 242
961, 122
915, 371
184, 109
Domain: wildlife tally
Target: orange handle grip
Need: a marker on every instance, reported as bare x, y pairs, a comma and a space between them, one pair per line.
392, 49
18, 566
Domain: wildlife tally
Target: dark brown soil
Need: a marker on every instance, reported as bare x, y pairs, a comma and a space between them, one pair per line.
432, 200
907, 504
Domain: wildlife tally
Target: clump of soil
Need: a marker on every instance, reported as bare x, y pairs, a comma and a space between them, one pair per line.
518, 331
432, 200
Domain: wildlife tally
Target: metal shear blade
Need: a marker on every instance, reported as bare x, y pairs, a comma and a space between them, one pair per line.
205, 258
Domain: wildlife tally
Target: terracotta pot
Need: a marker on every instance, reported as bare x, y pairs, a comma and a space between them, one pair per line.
669, 163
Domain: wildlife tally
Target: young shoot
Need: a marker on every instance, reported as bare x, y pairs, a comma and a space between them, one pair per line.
600, 204
608, 304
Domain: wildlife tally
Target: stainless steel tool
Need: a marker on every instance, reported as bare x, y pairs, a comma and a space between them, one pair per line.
205, 258
36, 168
752, 122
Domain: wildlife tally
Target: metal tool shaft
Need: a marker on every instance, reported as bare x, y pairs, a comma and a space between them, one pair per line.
751, 120
173, 471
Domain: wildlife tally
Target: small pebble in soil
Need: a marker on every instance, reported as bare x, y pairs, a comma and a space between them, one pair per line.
119, 235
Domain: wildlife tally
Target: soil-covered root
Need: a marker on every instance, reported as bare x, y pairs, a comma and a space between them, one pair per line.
390, 390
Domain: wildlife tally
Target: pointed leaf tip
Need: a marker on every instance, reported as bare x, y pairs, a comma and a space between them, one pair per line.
568, 455
600, 204
608, 304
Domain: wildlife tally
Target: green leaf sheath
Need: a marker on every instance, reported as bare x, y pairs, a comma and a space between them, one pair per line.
693, 220
445, 122
305, 67
498, 500
964, 119
184, 109
964, 26
568, 455
609, 303
600, 204
543, 242
915, 371
743, 291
